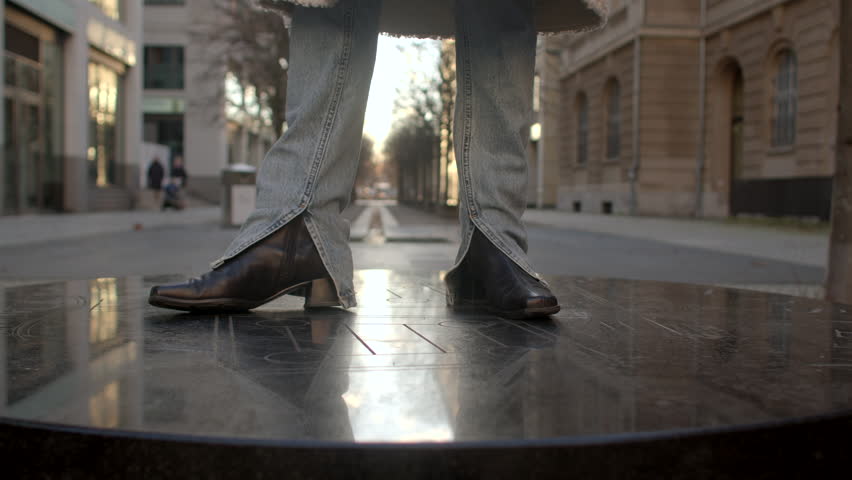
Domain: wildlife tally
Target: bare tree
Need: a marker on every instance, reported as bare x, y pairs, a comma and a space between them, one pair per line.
839, 280
367, 174
410, 146
251, 47
414, 143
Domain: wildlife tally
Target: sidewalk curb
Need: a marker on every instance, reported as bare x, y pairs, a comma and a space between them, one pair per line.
790, 247
33, 229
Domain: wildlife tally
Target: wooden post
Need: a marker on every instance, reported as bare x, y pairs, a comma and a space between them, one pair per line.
839, 278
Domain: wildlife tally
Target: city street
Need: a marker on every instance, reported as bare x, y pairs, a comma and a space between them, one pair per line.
150, 243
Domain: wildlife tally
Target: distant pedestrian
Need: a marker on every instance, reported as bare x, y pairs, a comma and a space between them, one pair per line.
178, 172
173, 198
156, 172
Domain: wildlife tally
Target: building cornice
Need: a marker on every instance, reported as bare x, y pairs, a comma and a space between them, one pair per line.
628, 38
741, 15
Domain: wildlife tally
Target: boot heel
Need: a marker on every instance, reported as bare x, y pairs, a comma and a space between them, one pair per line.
321, 293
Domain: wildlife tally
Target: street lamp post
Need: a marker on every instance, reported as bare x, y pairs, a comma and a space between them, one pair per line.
535, 137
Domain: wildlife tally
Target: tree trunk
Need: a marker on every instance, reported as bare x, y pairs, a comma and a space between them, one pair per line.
839, 279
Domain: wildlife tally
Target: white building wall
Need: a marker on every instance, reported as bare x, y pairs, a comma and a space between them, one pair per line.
204, 135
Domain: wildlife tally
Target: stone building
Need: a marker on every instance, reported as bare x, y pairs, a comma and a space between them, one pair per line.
697, 107
71, 97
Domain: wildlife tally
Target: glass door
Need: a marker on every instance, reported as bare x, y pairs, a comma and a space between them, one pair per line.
25, 143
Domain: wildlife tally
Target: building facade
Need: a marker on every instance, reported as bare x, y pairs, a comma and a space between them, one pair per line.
71, 97
699, 107
185, 101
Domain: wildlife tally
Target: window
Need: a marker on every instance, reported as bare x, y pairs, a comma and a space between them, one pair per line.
22, 43
613, 120
111, 8
164, 67
582, 129
784, 100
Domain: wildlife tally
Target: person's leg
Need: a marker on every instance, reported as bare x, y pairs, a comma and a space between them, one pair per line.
495, 63
309, 172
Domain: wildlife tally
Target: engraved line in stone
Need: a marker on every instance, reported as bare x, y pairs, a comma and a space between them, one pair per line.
435, 289
498, 342
651, 320
359, 339
293, 339
96, 305
424, 338
542, 334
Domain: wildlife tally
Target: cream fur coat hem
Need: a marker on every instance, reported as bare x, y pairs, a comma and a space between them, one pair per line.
434, 18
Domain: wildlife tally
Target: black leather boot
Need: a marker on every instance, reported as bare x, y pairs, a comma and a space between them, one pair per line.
490, 280
286, 262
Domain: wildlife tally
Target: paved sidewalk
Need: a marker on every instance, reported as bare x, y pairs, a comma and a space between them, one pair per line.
402, 223
762, 242
31, 229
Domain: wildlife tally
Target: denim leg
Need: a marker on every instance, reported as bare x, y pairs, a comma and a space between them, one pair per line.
312, 167
495, 64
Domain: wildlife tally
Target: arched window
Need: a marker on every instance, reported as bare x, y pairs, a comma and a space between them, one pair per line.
784, 99
582, 129
613, 120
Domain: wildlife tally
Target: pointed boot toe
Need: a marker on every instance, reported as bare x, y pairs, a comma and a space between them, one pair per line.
488, 279
285, 262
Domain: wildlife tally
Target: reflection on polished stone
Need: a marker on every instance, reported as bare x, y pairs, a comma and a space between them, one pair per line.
621, 357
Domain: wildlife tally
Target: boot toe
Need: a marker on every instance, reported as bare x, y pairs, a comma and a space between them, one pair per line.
542, 302
178, 290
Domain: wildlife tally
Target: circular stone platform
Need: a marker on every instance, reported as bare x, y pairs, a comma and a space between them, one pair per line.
631, 378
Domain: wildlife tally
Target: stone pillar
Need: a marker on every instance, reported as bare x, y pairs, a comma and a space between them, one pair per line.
839, 279
549, 110
76, 117
132, 111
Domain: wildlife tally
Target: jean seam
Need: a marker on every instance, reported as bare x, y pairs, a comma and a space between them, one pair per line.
320, 244
319, 154
333, 108
467, 115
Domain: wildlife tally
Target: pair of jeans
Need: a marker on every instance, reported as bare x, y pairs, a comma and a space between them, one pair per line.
311, 168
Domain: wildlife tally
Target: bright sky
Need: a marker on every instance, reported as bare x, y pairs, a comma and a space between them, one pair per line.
392, 72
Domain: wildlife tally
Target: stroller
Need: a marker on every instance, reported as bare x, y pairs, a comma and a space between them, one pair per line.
172, 198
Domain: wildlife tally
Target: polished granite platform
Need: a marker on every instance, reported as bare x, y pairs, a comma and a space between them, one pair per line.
632, 378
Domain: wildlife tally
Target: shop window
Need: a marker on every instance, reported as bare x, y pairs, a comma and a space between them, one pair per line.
103, 150
164, 67
30, 163
613, 120
784, 100
582, 129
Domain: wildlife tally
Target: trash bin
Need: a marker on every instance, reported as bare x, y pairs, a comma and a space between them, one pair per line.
238, 193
